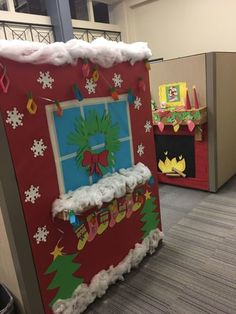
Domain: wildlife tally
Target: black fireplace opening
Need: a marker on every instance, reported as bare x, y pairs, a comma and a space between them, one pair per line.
175, 151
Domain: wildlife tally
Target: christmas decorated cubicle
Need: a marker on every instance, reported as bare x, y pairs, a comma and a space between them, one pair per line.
194, 119
78, 170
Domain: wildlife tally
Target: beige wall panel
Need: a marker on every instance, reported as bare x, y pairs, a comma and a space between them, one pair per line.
226, 115
189, 69
7, 269
180, 28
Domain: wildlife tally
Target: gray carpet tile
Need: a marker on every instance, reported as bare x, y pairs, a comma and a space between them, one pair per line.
193, 272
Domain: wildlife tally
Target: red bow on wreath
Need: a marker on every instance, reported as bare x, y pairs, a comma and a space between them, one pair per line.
93, 160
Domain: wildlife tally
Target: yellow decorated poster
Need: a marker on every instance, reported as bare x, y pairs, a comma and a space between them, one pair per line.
172, 95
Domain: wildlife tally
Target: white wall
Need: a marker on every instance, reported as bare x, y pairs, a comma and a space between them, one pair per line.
175, 28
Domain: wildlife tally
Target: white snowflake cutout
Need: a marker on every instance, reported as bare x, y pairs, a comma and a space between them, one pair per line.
38, 148
32, 194
137, 103
41, 234
45, 79
147, 126
117, 80
140, 149
90, 86
14, 118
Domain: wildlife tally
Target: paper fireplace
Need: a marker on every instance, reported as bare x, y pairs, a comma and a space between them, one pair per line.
77, 120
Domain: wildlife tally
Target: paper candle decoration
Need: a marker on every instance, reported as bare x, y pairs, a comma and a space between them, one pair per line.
196, 102
187, 101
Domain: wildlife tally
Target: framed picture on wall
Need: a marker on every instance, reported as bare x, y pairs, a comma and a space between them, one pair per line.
172, 95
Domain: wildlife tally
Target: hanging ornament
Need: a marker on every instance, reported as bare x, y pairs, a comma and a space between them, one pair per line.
114, 94
131, 97
77, 93
161, 126
73, 219
147, 65
196, 102
187, 101
85, 68
176, 126
141, 84
4, 79
151, 181
95, 74
191, 125
31, 104
59, 109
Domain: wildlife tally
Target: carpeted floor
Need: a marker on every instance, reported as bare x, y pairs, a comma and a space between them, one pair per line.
194, 271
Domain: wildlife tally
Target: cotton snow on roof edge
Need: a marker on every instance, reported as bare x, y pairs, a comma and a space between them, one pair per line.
101, 51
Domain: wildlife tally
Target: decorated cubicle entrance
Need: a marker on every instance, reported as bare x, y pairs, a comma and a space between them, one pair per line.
78, 122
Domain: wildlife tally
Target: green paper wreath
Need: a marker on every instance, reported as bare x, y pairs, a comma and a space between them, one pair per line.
90, 126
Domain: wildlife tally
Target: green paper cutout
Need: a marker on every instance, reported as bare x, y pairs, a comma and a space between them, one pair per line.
197, 116
150, 217
63, 280
156, 117
92, 125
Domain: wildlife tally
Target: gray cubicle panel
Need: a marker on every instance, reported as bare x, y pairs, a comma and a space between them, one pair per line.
214, 75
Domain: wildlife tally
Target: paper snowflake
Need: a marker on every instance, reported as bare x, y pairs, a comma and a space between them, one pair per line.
38, 148
117, 80
147, 127
45, 79
140, 149
41, 234
137, 103
32, 194
90, 86
14, 118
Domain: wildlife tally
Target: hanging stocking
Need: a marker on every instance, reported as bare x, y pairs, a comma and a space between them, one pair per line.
122, 210
82, 235
113, 209
138, 201
92, 225
103, 221
129, 205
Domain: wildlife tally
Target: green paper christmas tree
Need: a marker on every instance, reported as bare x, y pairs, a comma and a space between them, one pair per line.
150, 216
64, 280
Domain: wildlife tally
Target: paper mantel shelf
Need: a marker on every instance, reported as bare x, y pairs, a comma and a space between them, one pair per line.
111, 186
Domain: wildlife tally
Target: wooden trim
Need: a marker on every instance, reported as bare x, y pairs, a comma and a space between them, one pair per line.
212, 118
10, 5
25, 18
95, 26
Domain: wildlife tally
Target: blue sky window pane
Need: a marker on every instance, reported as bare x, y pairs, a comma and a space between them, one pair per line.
118, 113
99, 108
65, 125
73, 176
123, 156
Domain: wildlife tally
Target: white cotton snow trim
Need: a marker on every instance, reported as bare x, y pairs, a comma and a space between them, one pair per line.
84, 294
101, 51
111, 186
